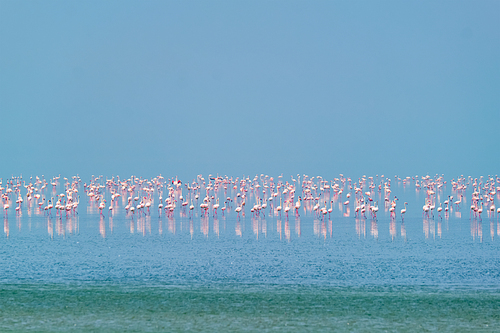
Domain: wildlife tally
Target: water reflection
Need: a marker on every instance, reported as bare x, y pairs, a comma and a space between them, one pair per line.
278, 227
238, 228
72, 225
171, 225
432, 227
287, 230
316, 227
361, 227
50, 227
18, 221
191, 228
492, 229
374, 229
255, 227
297, 226
60, 230
6, 227
403, 231
476, 230
102, 227
429, 227
148, 224
216, 227
392, 228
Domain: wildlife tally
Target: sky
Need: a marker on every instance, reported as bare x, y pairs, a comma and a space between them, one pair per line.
182, 88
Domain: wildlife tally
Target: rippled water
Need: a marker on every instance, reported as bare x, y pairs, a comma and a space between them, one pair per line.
118, 272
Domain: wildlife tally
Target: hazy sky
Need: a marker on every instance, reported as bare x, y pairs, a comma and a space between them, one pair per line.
249, 87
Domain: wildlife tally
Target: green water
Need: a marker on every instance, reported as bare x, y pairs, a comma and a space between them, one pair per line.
133, 308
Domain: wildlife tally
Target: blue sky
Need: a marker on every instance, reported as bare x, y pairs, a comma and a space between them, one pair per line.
189, 87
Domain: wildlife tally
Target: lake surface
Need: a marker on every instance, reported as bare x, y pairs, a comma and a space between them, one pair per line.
186, 270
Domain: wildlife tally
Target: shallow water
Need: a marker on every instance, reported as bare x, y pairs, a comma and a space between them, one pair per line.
119, 272
237, 307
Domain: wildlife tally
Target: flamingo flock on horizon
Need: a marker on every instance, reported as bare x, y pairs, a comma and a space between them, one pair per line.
314, 195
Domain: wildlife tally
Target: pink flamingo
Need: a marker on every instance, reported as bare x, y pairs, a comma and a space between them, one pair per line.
403, 211
279, 208
374, 209
216, 206
297, 206
426, 208
238, 210
287, 208
223, 208
480, 210
440, 208
458, 202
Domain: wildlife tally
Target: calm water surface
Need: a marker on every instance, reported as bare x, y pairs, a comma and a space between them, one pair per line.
121, 272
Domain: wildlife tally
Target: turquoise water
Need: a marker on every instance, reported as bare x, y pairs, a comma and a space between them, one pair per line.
228, 307
114, 272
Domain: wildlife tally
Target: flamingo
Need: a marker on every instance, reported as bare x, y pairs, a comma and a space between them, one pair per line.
102, 205
480, 210
403, 211
297, 206
184, 203
216, 206
263, 206
492, 209
458, 202
431, 207
316, 207
56, 206
238, 210
147, 205
324, 210
62, 207
40, 204
75, 205
357, 209
50, 205
425, 208
473, 209
374, 209
287, 208
447, 201
204, 205
223, 208
363, 210
160, 206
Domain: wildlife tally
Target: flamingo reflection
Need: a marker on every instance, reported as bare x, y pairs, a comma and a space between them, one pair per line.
6, 226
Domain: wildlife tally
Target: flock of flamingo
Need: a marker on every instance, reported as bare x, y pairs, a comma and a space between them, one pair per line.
268, 195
